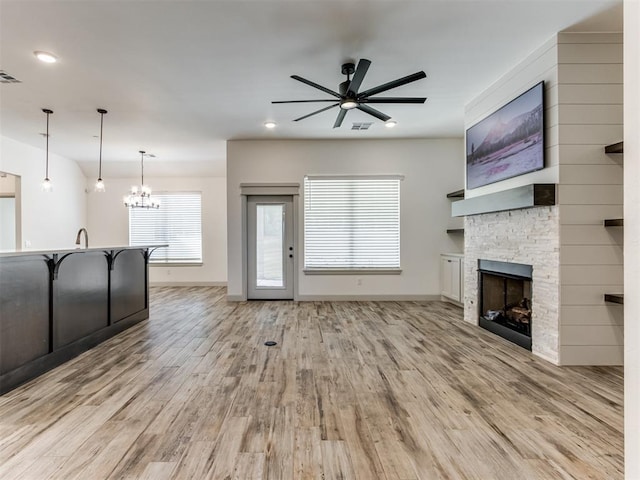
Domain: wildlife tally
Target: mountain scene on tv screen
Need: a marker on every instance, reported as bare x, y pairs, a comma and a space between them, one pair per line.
508, 149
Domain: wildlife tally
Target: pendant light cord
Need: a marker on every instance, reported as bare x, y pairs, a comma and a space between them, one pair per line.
48, 112
100, 166
142, 168
46, 173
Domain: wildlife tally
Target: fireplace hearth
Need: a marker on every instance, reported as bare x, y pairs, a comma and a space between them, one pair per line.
505, 300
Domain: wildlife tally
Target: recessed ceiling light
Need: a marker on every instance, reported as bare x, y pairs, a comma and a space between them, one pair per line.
45, 57
270, 125
390, 123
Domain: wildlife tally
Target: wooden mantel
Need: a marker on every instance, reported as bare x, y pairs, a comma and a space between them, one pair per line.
527, 196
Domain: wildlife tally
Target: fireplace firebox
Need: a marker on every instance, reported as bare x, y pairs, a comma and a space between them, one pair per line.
505, 300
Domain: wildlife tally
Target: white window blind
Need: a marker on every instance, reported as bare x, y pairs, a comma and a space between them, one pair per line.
352, 222
178, 222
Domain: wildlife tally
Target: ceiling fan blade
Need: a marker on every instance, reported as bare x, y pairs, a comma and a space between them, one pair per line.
340, 118
356, 81
303, 101
317, 111
372, 111
315, 85
393, 84
394, 100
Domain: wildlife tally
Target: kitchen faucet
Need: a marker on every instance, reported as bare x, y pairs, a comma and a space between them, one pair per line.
86, 237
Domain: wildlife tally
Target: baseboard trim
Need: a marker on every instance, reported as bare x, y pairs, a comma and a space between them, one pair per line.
353, 298
236, 298
450, 300
546, 358
187, 284
365, 298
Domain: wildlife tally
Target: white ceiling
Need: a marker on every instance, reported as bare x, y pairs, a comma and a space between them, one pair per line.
181, 77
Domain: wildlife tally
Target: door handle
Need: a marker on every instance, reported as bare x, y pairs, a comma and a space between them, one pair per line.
290, 256
290, 248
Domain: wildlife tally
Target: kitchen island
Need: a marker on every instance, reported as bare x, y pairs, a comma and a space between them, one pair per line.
56, 304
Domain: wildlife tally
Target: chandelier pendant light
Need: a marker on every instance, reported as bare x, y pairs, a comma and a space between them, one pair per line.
47, 186
140, 197
99, 187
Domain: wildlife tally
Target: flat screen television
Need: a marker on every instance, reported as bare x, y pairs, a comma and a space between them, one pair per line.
509, 142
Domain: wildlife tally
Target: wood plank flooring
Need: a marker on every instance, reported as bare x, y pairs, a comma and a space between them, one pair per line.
353, 390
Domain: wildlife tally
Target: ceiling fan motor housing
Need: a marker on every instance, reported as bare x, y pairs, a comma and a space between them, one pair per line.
348, 68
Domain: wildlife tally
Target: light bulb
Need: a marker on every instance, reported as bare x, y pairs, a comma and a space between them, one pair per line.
99, 187
47, 186
270, 125
390, 123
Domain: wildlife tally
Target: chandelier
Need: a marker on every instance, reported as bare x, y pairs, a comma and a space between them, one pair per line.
140, 196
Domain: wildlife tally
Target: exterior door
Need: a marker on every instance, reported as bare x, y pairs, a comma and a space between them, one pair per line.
270, 256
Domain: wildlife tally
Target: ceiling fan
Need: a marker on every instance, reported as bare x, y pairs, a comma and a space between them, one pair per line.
349, 97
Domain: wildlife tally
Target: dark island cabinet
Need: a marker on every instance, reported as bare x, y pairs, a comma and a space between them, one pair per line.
55, 305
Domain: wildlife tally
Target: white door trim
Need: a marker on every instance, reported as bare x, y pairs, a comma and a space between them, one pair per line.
277, 189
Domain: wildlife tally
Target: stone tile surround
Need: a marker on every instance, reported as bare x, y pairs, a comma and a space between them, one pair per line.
530, 236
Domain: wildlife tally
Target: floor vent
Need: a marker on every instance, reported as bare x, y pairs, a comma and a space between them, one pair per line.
361, 125
6, 78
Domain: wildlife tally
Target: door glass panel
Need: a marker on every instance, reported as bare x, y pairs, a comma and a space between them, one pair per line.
269, 245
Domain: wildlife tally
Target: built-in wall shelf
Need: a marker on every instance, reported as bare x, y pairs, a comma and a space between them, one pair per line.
527, 196
614, 222
614, 298
614, 148
456, 194
455, 230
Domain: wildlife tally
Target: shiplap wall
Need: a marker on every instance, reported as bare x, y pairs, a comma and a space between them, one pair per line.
583, 76
590, 116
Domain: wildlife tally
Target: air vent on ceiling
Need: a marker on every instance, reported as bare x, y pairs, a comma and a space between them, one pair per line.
6, 78
361, 125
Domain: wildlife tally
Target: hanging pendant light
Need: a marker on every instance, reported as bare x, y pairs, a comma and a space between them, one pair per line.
99, 187
47, 186
140, 197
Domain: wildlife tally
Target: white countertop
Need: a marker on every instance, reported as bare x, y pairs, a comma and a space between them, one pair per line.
18, 253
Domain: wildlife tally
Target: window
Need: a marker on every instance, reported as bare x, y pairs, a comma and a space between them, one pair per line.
352, 223
177, 222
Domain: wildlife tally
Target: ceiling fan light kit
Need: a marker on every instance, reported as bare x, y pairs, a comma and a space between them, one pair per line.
349, 95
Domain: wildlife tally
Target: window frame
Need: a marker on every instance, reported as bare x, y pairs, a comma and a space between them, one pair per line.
345, 270
162, 196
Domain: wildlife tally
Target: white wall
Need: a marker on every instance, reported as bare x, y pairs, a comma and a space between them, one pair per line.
49, 220
432, 168
632, 238
7, 212
108, 225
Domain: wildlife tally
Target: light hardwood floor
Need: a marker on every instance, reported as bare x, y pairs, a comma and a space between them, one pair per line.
361, 390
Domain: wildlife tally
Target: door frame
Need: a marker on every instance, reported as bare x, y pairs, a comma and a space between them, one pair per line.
269, 189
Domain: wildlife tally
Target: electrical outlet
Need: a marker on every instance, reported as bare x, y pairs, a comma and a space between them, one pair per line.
27, 244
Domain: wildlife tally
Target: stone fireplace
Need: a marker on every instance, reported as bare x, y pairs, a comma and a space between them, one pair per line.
528, 237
